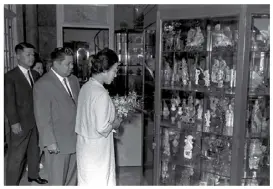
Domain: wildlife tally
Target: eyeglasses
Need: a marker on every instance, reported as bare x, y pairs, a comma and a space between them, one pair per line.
65, 50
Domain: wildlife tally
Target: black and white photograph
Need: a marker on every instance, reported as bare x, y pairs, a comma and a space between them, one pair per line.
136, 94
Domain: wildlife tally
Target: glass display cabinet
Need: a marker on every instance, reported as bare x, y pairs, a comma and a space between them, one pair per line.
212, 95
130, 50
136, 52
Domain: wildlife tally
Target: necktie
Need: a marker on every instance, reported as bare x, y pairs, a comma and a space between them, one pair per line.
69, 92
30, 78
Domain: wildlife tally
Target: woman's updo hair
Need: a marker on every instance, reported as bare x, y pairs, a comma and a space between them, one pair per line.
102, 61
37, 59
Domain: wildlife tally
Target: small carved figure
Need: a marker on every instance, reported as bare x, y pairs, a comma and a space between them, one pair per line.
188, 147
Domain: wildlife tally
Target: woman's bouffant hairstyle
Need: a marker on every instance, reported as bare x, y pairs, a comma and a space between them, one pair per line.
102, 61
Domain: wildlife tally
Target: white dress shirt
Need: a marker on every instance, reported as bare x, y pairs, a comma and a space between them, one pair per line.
24, 70
62, 81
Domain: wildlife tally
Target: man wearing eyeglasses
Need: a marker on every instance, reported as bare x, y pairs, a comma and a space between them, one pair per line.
55, 102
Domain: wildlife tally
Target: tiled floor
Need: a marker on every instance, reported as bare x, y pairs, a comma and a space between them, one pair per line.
126, 176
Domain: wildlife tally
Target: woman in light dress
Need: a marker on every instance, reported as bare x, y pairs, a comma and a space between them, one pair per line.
95, 123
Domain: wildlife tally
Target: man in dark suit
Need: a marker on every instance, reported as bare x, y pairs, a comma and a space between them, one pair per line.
23, 139
55, 102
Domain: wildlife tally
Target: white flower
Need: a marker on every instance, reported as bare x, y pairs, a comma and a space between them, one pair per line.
125, 104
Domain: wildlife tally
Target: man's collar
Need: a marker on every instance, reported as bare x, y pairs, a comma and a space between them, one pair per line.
24, 70
60, 77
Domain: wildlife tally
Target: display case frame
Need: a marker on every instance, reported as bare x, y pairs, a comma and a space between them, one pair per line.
244, 14
148, 106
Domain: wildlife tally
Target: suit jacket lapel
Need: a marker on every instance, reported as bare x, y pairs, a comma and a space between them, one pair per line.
58, 83
22, 77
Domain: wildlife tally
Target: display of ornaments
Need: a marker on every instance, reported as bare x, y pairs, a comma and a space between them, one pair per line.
220, 72
208, 123
256, 79
257, 120
255, 153
182, 74
167, 74
166, 144
261, 40
185, 176
195, 39
180, 113
222, 37
165, 111
229, 117
207, 120
207, 78
200, 110
173, 113
175, 143
164, 169
185, 75
253, 181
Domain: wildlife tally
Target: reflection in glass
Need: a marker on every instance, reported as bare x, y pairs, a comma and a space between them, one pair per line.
82, 62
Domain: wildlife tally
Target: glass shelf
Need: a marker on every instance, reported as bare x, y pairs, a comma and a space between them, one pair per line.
190, 128
208, 90
223, 50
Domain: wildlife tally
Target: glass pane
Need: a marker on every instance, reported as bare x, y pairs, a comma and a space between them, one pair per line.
257, 148
135, 62
198, 83
120, 83
148, 97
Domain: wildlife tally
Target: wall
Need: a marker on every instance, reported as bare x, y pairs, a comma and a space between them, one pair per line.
20, 28
46, 23
125, 13
85, 16
150, 17
47, 29
86, 35
40, 27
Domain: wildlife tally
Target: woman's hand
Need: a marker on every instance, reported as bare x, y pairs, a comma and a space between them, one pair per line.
116, 123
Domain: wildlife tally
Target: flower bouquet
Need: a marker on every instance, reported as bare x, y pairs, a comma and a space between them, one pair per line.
126, 107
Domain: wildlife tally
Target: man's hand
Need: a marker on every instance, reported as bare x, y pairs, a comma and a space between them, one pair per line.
16, 128
53, 148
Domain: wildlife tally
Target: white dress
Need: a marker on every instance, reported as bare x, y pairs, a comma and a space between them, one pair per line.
95, 145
